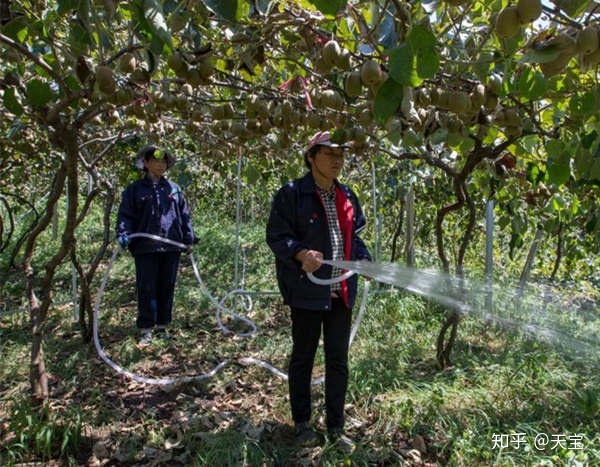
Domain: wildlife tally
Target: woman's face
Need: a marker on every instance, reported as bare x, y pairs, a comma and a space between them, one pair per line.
328, 162
156, 167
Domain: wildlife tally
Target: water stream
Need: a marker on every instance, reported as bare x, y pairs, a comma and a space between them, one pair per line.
540, 312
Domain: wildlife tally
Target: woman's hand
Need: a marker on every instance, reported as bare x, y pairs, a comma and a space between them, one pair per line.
311, 260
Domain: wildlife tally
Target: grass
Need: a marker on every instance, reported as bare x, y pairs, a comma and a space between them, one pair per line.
505, 390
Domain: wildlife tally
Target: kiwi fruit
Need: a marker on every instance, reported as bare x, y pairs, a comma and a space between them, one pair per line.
332, 99
176, 21
238, 129
205, 68
343, 60
370, 72
187, 89
176, 62
365, 116
193, 77
494, 84
507, 22
197, 115
587, 40
127, 63
330, 53
590, 60
512, 117
459, 102
557, 65
358, 135
477, 96
217, 112
353, 84
105, 80
529, 10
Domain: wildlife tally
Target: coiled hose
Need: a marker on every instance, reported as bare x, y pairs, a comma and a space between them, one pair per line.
219, 309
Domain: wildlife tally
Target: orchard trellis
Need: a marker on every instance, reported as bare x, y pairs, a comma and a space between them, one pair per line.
497, 99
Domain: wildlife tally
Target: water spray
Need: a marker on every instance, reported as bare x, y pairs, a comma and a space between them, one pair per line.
514, 308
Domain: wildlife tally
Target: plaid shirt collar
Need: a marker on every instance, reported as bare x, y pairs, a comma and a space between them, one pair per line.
329, 192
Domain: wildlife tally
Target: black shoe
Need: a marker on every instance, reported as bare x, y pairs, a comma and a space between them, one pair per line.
341, 441
162, 334
305, 436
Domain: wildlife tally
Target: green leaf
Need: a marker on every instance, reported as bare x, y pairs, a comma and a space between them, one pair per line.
516, 241
582, 104
416, 59
531, 84
339, 136
79, 39
557, 203
573, 8
467, 145
542, 55
252, 174
329, 7
39, 93
231, 10
594, 171
559, 162
387, 100
402, 66
588, 139
575, 204
11, 102
155, 17
17, 29
534, 173
582, 161
66, 6
161, 38
422, 41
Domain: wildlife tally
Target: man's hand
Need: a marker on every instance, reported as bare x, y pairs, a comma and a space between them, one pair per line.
311, 260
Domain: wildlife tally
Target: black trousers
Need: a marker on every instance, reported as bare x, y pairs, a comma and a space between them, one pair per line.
306, 331
155, 281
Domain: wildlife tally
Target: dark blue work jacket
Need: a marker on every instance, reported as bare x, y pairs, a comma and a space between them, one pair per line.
158, 209
298, 220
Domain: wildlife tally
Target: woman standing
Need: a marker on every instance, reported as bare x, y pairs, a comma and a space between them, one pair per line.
154, 205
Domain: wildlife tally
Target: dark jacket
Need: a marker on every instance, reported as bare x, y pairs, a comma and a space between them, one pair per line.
159, 209
297, 221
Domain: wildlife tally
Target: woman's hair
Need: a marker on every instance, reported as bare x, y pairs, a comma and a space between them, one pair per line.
151, 151
310, 153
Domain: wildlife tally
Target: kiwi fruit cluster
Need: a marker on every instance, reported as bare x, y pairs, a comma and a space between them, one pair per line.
511, 18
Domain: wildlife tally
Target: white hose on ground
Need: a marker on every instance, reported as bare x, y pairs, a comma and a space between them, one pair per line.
220, 308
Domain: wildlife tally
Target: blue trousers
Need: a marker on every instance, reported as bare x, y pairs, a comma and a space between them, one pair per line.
306, 332
155, 274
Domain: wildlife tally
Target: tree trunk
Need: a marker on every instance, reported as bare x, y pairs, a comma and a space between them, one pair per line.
409, 248
38, 377
397, 231
65, 138
444, 347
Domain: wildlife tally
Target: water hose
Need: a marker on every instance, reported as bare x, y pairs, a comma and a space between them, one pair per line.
220, 309
142, 379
